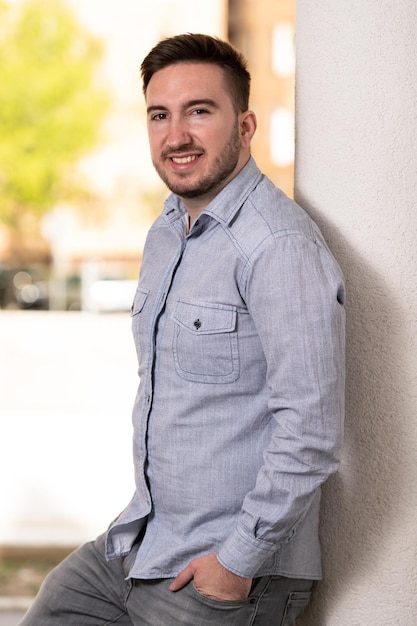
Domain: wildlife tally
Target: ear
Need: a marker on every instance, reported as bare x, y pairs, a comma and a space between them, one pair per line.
248, 124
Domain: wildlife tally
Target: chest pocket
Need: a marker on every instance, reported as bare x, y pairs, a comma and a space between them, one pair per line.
205, 342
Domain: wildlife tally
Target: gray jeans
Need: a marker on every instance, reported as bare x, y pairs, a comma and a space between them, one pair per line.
86, 590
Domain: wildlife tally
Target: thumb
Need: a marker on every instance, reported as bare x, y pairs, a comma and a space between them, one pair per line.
182, 578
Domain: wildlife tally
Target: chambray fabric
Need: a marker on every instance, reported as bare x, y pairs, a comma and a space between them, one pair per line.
239, 330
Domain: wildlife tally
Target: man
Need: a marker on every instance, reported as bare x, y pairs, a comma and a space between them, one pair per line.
238, 321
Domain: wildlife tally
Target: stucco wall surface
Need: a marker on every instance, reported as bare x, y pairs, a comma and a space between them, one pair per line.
356, 173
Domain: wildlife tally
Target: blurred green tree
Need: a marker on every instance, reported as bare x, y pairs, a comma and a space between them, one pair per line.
50, 106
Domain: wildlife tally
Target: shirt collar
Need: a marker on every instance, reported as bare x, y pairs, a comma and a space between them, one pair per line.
225, 205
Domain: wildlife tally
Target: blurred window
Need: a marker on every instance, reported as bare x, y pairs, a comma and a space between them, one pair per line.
283, 51
282, 137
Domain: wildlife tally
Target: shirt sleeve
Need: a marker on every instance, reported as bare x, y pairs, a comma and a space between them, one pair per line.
295, 295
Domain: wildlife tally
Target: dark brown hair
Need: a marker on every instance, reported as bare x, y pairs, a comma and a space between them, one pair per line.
197, 48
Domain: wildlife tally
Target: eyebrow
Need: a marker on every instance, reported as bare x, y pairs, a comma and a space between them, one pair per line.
190, 103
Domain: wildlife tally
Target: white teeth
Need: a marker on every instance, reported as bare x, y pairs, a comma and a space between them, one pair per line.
187, 159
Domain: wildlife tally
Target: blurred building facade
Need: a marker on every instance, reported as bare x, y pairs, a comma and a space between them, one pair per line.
105, 236
264, 31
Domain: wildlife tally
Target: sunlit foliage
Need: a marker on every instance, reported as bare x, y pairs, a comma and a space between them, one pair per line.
50, 106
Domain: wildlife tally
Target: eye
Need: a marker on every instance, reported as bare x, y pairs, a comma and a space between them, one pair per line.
199, 111
158, 116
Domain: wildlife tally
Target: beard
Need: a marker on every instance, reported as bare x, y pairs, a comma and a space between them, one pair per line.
214, 178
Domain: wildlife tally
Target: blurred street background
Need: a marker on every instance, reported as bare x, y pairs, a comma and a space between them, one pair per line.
77, 195
67, 384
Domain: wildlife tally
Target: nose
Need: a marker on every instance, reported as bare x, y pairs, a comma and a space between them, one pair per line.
178, 134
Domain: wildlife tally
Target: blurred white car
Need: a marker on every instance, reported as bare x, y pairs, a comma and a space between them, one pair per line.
109, 295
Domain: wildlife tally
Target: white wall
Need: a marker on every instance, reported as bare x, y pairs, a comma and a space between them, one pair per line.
356, 173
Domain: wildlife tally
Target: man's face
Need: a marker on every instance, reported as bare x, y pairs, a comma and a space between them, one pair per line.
194, 130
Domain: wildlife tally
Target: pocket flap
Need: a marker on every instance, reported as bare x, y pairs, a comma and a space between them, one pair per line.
205, 319
139, 301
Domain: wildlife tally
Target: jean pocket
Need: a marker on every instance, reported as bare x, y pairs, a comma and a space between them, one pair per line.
296, 603
216, 603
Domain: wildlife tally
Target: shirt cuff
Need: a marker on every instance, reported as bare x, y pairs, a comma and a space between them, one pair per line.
244, 555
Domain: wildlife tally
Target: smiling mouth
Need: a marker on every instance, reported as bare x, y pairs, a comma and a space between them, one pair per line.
183, 160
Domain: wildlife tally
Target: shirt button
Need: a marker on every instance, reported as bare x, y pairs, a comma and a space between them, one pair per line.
197, 324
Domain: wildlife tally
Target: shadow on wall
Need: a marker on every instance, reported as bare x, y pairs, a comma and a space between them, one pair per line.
363, 501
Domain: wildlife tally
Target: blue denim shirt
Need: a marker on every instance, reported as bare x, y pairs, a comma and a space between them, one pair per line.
239, 329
